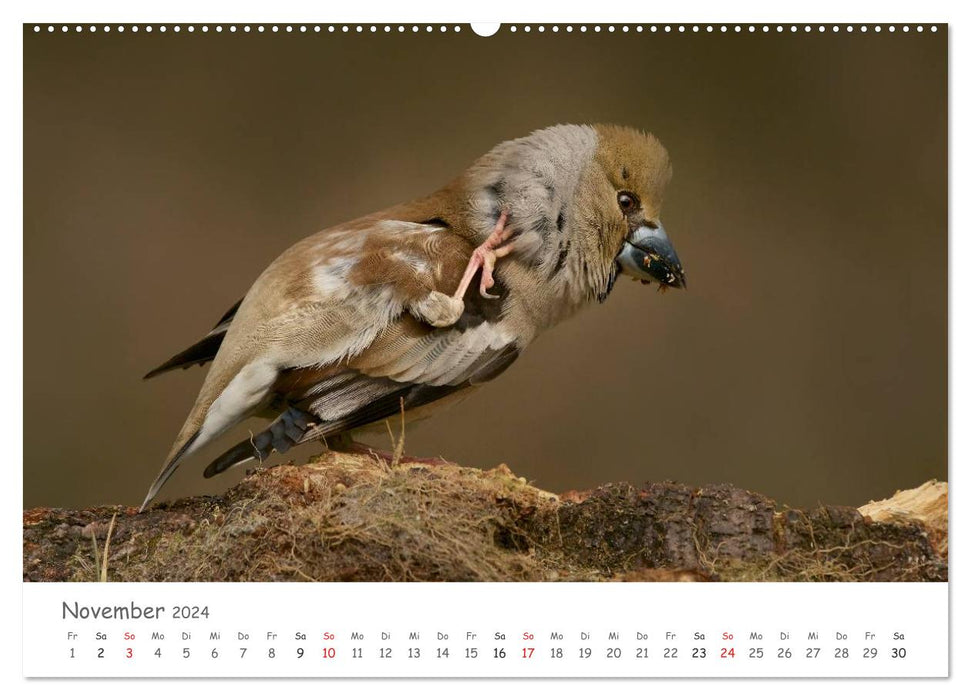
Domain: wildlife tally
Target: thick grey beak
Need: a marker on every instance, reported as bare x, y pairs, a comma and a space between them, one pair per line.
647, 255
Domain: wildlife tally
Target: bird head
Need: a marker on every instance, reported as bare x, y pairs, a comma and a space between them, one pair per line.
618, 203
583, 205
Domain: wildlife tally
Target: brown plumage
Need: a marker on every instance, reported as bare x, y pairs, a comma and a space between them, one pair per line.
357, 320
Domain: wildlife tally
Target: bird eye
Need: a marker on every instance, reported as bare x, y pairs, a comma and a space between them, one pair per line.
627, 202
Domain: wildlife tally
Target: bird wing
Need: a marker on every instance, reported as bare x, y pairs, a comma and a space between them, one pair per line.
408, 366
202, 351
324, 340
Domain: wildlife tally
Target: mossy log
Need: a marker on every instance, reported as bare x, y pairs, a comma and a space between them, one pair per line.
358, 518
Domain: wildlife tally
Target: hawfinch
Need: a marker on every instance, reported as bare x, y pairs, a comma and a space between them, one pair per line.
401, 309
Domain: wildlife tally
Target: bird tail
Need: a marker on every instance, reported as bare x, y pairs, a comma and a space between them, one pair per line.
204, 350
169, 469
198, 354
286, 431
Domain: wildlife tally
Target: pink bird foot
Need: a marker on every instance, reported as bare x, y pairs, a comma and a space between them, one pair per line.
485, 257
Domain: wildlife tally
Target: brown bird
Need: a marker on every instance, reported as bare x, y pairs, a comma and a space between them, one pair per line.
358, 321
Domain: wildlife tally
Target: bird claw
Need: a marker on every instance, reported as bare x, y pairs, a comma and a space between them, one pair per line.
485, 257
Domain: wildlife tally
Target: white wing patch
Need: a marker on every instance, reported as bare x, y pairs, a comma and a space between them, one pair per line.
330, 278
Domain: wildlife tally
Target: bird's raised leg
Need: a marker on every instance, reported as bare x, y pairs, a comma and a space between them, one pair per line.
485, 257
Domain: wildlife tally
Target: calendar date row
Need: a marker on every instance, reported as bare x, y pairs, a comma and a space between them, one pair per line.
525, 653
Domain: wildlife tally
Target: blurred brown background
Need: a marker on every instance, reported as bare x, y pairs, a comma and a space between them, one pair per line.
807, 359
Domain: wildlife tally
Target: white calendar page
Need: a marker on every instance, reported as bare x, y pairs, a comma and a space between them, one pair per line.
472, 630
488, 630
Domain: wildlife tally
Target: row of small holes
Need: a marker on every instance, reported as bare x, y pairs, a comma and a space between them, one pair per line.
247, 28
414, 28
